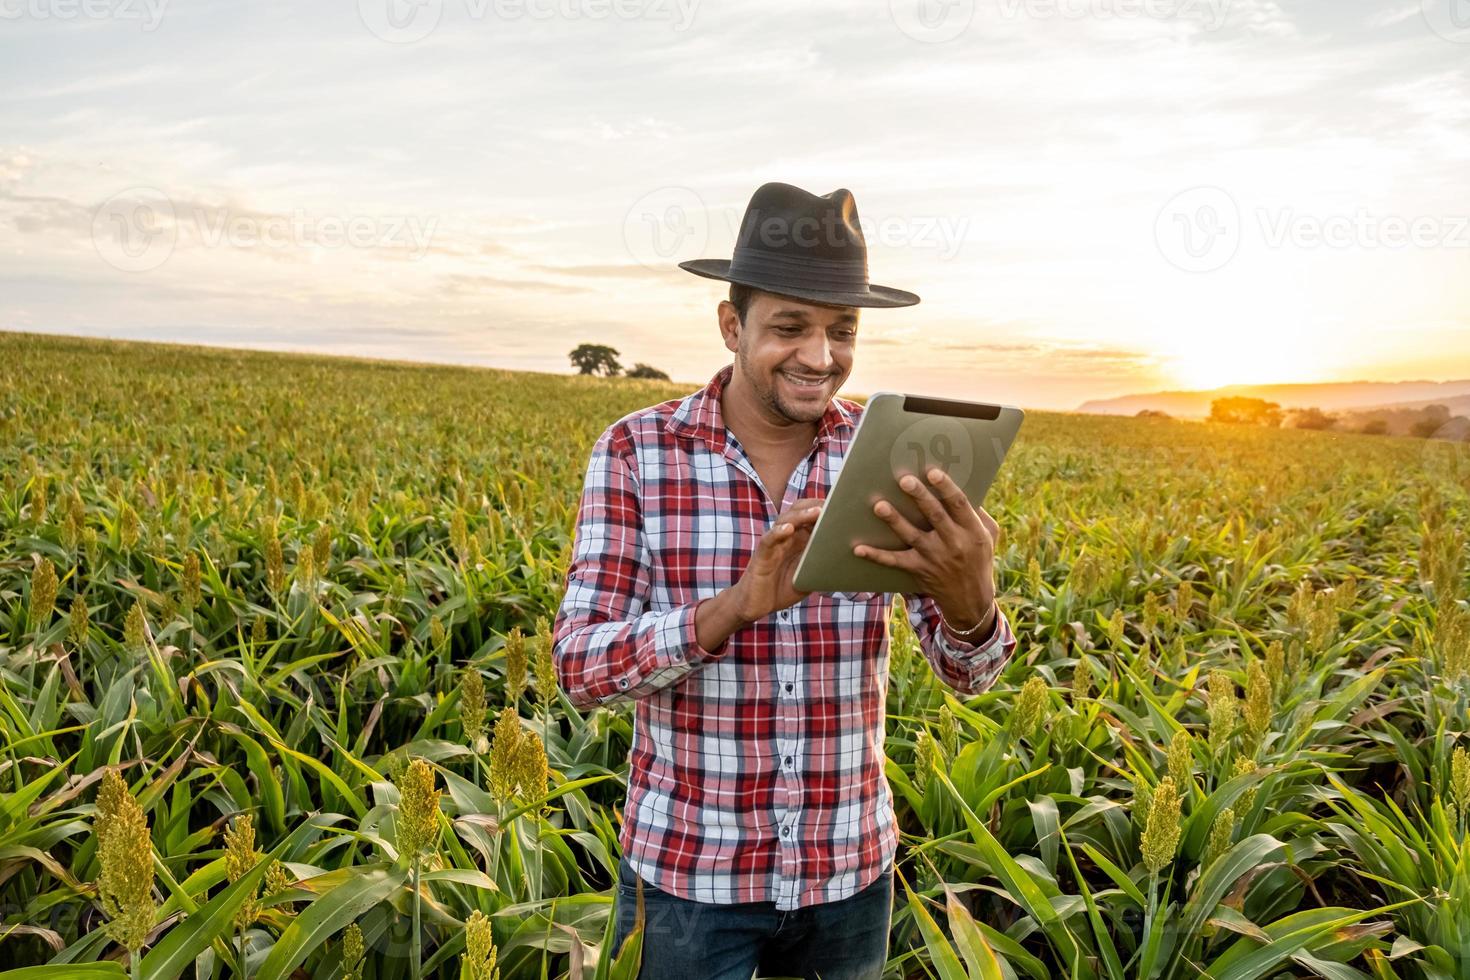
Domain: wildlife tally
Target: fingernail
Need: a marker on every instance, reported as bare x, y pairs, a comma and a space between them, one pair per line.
935, 474
909, 483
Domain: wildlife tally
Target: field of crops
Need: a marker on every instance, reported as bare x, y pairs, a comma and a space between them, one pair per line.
278, 700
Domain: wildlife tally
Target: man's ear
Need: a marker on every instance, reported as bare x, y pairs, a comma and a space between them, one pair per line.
730, 326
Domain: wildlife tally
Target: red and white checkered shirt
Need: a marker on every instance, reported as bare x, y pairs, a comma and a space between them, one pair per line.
756, 771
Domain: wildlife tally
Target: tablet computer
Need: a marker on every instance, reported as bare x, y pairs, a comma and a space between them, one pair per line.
900, 434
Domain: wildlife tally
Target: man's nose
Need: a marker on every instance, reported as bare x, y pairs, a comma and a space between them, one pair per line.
816, 354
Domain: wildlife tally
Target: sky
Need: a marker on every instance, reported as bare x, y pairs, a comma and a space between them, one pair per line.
1091, 197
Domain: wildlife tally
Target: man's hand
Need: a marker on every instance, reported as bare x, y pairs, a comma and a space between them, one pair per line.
765, 585
954, 561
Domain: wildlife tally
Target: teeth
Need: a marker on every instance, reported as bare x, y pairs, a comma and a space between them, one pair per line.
805, 382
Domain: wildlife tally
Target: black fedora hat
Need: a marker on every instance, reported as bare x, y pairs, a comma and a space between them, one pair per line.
801, 245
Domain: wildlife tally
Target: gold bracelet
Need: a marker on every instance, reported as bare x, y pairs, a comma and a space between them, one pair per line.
965, 633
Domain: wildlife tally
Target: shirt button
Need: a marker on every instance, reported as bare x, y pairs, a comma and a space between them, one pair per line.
788, 761
784, 615
788, 688
622, 682
785, 831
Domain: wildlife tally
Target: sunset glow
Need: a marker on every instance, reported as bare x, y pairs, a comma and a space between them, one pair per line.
1088, 205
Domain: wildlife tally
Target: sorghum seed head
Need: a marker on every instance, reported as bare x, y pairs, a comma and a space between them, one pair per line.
1161, 836
1220, 835
1257, 700
79, 624
472, 707
43, 592
478, 959
353, 950
125, 851
1030, 707
134, 632
1460, 776
504, 749
531, 768
515, 665
1181, 760
542, 664
1223, 708
418, 810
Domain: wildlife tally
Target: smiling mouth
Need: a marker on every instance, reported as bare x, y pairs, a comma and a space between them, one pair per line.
809, 384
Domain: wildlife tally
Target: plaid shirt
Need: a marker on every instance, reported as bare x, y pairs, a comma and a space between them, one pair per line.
756, 771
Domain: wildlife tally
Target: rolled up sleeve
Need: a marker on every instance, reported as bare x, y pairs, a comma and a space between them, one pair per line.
967, 667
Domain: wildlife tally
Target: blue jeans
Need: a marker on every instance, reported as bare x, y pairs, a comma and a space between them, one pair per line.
687, 940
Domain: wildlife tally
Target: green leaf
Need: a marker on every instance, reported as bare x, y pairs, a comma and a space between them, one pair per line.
73, 971
215, 919
365, 887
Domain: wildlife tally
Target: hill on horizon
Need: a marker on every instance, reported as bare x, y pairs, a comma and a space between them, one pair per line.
1349, 396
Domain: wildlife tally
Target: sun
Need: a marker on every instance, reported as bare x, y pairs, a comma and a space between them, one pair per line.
1251, 354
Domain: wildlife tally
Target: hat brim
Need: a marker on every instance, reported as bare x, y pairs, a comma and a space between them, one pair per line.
876, 296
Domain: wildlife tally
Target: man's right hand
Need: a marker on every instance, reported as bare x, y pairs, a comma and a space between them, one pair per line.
765, 585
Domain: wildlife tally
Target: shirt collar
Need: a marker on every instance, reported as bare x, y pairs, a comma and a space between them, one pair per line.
698, 416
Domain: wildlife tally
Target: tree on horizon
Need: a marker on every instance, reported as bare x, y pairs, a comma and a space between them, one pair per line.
1246, 411
641, 370
596, 359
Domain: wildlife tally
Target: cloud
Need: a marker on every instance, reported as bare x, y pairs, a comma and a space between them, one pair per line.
469, 285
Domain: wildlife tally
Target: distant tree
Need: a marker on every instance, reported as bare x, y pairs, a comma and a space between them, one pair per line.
595, 359
1245, 411
1431, 419
641, 370
1375, 427
1311, 418
1153, 413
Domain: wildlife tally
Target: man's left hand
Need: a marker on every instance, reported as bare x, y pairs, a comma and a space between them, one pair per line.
954, 561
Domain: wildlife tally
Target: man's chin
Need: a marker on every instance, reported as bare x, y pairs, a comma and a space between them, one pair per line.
803, 413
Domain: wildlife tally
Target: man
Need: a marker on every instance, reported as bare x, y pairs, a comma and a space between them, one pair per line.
758, 826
